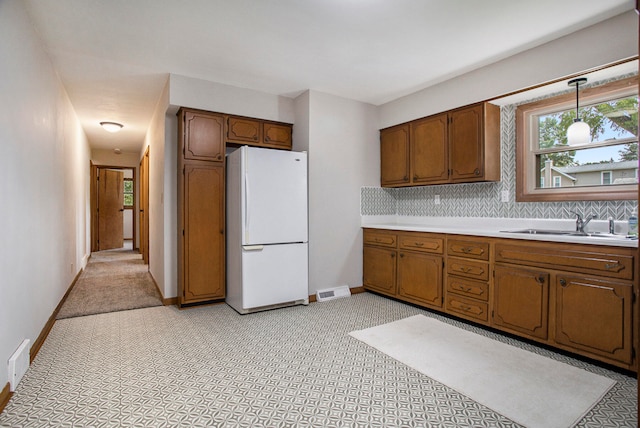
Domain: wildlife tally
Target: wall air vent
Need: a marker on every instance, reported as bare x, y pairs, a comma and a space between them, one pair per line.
333, 293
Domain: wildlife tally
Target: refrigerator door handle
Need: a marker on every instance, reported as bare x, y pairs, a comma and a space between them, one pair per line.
246, 206
253, 247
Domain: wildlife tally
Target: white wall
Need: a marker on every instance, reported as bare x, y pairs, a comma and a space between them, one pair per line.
343, 144
155, 141
603, 43
44, 182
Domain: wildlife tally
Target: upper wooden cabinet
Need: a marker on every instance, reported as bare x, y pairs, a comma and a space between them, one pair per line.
203, 136
458, 146
256, 132
394, 156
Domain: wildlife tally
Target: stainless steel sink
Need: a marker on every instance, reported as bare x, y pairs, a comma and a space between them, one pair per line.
600, 235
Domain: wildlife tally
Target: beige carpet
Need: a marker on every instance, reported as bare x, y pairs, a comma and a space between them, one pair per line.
114, 280
529, 389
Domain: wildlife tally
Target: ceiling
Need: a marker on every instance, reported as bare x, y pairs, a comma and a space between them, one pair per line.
114, 57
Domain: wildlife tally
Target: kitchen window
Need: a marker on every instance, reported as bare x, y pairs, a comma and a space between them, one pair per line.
605, 169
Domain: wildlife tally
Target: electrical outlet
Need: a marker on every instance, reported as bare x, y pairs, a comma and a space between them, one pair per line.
436, 199
505, 196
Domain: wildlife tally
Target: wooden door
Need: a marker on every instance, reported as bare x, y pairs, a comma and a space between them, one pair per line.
144, 207
394, 155
203, 136
593, 315
429, 150
521, 301
277, 135
420, 278
110, 209
203, 237
379, 270
466, 145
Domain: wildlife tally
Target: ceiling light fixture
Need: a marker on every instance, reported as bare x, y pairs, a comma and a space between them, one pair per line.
111, 126
578, 133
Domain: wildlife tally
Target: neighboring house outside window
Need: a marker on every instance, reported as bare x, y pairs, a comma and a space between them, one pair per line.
605, 177
557, 181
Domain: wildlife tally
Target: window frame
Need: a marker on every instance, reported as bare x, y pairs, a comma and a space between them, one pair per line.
602, 173
526, 190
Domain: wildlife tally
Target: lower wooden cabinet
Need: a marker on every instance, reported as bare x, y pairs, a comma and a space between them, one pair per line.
575, 297
404, 265
379, 270
521, 301
420, 278
594, 316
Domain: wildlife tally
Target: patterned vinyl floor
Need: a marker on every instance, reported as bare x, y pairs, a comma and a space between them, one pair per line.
292, 367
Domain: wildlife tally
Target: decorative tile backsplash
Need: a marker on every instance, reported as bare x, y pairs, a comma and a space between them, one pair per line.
483, 199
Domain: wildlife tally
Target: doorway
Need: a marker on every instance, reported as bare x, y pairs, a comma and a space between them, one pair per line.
113, 200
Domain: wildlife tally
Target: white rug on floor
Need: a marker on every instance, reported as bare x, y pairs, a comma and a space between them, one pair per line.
530, 389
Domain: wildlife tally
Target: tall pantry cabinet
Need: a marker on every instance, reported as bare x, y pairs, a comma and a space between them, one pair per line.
201, 209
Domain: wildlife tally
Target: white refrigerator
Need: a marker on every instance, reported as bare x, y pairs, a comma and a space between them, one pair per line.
267, 229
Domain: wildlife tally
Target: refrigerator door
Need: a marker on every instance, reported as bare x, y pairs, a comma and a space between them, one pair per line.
274, 274
274, 196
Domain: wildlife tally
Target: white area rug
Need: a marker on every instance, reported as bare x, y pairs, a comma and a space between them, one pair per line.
527, 388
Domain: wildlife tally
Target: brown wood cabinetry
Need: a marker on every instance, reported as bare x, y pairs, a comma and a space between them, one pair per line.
459, 146
404, 265
594, 316
575, 297
203, 136
467, 276
201, 221
521, 301
394, 156
256, 132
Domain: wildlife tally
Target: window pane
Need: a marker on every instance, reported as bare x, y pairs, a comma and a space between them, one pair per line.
128, 199
610, 165
128, 186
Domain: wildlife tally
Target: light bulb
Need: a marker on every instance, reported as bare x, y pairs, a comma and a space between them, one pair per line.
578, 133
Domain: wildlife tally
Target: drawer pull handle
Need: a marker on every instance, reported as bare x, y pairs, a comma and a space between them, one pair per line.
418, 244
611, 265
467, 250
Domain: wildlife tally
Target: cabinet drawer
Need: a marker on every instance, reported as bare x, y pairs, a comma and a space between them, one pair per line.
468, 268
468, 288
467, 307
421, 242
468, 249
603, 262
380, 238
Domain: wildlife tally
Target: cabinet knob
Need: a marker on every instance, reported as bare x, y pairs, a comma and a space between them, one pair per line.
476, 172
540, 279
401, 254
255, 138
563, 282
266, 139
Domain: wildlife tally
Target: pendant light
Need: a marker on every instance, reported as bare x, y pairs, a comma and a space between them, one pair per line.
578, 133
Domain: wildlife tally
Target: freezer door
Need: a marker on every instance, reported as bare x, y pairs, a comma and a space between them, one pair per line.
275, 196
274, 274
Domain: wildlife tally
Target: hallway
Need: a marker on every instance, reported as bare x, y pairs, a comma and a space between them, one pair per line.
114, 280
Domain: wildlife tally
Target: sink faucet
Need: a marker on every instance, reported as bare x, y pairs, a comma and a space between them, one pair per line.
582, 223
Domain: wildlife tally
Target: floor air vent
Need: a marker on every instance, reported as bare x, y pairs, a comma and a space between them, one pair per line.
18, 364
333, 293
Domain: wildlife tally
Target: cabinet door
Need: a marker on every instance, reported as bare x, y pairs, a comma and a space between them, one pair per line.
277, 135
594, 316
420, 278
521, 301
394, 155
203, 136
379, 270
203, 240
429, 157
466, 144
243, 130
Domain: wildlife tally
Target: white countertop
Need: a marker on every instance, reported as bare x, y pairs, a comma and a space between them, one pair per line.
494, 227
